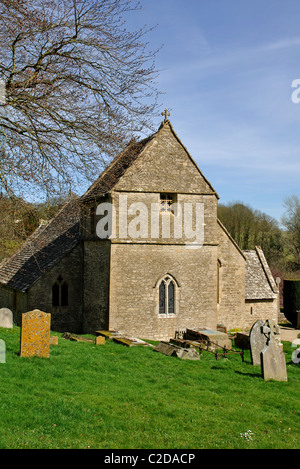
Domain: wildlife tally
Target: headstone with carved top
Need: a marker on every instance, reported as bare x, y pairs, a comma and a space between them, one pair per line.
35, 334
258, 341
273, 363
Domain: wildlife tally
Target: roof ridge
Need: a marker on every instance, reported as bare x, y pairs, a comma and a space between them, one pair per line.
231, 238
133, 145
137, 149
266, 268
42, 248
189, 155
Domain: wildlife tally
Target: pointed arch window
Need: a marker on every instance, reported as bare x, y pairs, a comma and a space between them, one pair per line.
60, 294
55, 295
167, 292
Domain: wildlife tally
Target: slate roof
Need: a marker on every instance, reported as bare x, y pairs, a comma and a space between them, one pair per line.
259, 281
49, 243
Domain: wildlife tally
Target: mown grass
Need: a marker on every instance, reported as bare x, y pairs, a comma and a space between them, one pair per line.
115, 397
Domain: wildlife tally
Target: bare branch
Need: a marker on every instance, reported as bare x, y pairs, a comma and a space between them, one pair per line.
78, 86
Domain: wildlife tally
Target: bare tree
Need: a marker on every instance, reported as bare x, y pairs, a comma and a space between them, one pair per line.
77, 85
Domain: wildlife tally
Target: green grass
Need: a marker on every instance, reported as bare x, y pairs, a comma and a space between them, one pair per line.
115, 397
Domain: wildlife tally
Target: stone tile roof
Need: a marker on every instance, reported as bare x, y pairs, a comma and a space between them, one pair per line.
112, 174
259, 282
52, 241
43, 249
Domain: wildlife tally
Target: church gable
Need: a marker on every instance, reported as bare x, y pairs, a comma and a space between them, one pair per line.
164, 165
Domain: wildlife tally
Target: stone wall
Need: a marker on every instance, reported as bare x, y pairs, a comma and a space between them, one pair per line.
122, 277
135, 273
231, 282
260, 309
14, 300
164, 166
63, 318
96, 285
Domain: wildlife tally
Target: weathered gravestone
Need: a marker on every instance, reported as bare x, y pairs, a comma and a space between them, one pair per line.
35, 334
273, 364
2, 352
214, 338
54, 340
174, 351
6, 318
258, 341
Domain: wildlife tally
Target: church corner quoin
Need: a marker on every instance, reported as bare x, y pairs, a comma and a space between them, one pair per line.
141, 252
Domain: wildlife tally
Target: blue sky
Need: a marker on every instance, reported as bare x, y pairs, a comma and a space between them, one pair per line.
226, 70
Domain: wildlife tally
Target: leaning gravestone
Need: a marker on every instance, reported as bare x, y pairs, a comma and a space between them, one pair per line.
35, 334
258, 341
2, 352
174, 351
6, 318
273, 364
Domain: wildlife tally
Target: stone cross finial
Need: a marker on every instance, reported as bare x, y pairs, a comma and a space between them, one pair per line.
166, 114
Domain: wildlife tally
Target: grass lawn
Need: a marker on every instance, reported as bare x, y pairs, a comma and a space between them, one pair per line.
115, 397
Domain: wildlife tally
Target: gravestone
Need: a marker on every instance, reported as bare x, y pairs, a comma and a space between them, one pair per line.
216, 338
273, 364
54, 340
174, 351
2, 352
6, 318
100, 340
35, 334
258, 341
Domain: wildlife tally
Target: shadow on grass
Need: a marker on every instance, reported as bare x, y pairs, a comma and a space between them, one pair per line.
253, 375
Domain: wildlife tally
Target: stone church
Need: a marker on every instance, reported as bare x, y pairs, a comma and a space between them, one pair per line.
141, 252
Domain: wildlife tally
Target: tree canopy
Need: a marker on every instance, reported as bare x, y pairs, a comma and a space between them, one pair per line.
78, 84
250, 228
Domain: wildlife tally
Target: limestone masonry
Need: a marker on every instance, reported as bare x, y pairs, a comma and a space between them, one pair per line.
166, 263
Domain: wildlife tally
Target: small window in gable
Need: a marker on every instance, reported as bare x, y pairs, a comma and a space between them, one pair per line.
166, 203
